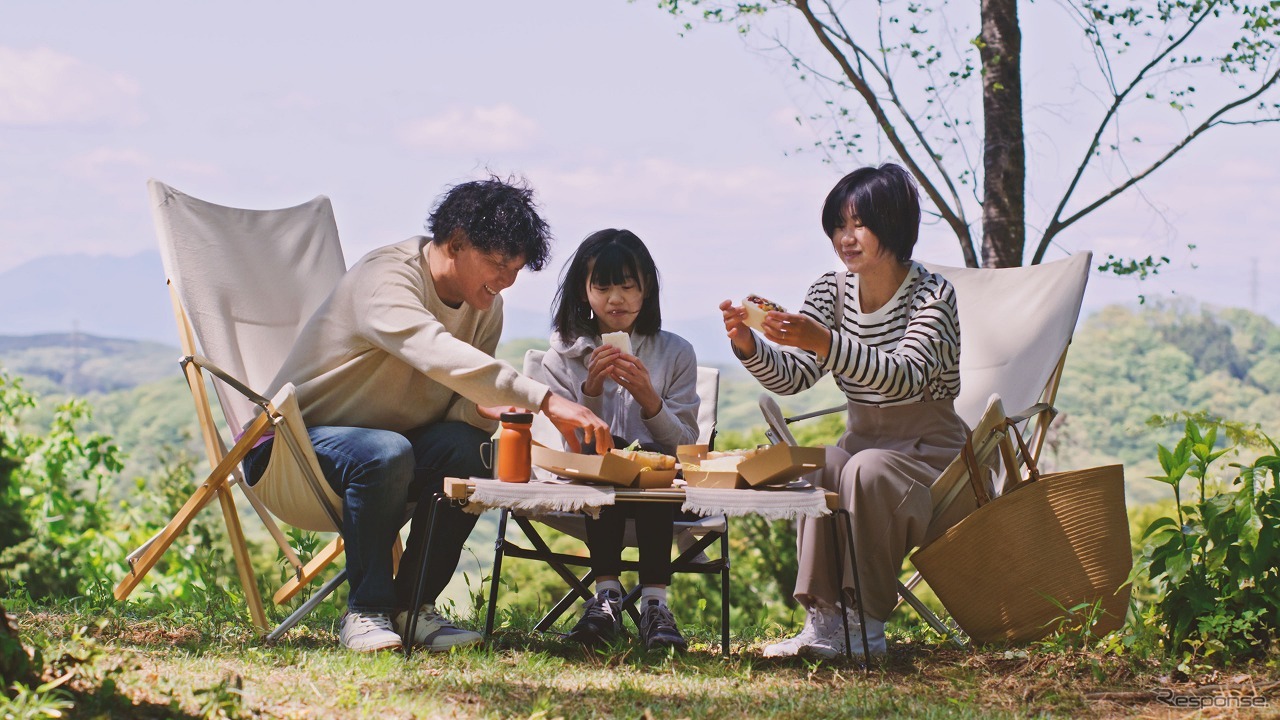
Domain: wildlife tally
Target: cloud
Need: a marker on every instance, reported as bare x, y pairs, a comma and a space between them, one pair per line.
107, 163
43, 87
496, 128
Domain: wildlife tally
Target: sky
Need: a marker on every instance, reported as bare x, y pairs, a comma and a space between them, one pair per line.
612, 115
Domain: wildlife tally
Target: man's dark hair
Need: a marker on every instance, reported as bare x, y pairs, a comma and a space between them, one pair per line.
497, 216
884, 199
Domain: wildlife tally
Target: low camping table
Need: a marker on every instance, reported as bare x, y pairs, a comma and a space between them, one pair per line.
489, 493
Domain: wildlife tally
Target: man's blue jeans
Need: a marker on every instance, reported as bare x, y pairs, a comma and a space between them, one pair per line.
378, 473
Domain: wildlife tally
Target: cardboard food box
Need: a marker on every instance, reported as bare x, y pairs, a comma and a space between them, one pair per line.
609, 468
776, 465
693, 455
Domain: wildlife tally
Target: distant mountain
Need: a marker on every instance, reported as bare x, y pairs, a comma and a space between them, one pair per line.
126, 297
82, 364
103, 295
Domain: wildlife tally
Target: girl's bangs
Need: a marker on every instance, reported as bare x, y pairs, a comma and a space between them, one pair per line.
615, 265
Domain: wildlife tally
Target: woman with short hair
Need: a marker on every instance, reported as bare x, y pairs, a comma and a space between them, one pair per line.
888, 330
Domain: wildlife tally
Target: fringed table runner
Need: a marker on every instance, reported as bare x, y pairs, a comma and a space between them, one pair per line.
539, 498
769, 504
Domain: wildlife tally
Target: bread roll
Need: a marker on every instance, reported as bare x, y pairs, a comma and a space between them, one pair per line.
650, 460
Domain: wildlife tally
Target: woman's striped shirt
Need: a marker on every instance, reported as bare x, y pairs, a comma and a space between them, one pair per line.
886, 357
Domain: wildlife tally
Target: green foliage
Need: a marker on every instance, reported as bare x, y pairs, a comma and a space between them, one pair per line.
38, 703
1142, 268
1215, 562
69, 520
58, 479
1130, 369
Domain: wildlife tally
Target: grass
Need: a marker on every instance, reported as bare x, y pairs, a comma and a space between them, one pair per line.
171, 665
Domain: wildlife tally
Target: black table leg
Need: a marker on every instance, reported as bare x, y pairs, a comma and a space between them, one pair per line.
420, 583
499, 547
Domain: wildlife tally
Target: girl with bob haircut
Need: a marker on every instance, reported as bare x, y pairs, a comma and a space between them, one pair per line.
647, 396
888, 331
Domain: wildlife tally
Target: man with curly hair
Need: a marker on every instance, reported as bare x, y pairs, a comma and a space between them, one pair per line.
399, 388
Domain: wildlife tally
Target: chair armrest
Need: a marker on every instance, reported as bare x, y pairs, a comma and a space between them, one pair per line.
778, 431
1034, 410
205, 363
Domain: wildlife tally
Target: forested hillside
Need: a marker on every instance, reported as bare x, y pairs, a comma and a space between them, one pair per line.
1126, 365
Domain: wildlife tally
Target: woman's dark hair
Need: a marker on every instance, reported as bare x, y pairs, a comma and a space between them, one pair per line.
497, 216
619, 256
884, 199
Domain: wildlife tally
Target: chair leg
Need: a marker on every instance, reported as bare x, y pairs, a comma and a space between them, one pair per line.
857, 593
724, 591
553, 615
216, 481
541, 546
310, 571
905, 595
325, 591
499, 546
244, 566
857, 585
160, 543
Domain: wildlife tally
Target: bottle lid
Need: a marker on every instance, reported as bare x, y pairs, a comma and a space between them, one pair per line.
523, 418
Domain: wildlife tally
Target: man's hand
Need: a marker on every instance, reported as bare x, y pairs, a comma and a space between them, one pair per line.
494, 412
735, 326
599, 367
796, 330
568, 416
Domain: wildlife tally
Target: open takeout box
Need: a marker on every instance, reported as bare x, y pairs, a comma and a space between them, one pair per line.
608, 468
776, 465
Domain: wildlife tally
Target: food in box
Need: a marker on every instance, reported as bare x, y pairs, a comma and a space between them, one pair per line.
610, 468
775, 465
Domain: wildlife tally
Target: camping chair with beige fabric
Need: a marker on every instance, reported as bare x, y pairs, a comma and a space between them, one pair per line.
692, 537
243, 283
1015, 327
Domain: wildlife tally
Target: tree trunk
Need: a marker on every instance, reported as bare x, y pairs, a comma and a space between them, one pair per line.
1004, 157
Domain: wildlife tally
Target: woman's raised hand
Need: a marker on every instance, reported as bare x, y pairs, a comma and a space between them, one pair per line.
735, 326
796, 330
600, 366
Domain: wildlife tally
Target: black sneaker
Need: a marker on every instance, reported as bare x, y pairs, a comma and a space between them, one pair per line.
601, 621
658, 628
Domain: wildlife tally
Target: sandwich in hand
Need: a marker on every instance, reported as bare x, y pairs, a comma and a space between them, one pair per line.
619, 339
757, 307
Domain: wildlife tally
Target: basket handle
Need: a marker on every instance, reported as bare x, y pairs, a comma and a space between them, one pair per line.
1033, 472
975, 476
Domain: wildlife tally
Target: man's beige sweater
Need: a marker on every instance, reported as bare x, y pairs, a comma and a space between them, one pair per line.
385, 352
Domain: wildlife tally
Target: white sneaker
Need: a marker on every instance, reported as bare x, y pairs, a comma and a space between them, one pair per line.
829, 642
434, 632
368, 632
808, 634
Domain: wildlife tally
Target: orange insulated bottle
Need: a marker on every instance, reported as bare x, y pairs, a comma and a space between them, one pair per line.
515, 446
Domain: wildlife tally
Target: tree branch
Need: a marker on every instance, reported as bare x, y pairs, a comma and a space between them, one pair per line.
1056, 226
953, 216
1054, 223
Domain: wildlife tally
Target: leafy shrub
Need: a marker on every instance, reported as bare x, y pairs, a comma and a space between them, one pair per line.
55, 482
1215, 564
63, 536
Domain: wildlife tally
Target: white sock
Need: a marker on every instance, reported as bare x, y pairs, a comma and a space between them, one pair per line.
648, 593
612, 586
